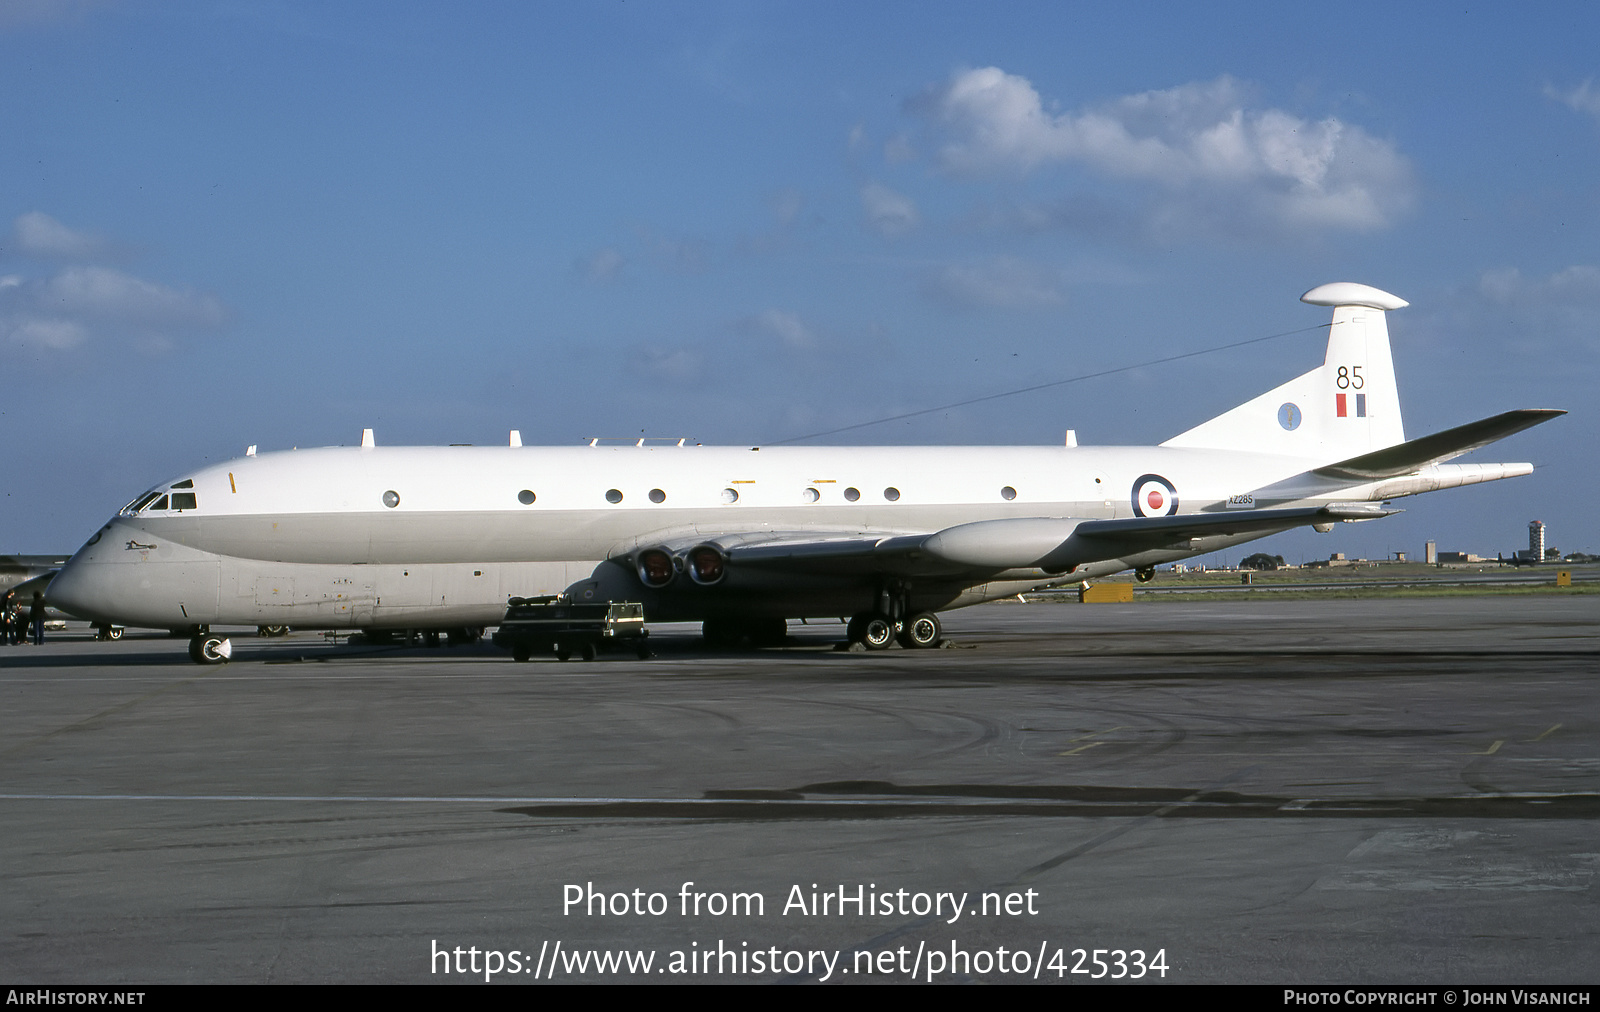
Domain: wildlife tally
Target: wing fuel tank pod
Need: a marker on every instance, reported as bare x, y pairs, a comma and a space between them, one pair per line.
707, 565
1018, 543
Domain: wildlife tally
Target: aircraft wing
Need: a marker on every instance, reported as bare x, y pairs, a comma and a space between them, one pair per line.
1056, 545
1053, 544
1404, 458
1202, 525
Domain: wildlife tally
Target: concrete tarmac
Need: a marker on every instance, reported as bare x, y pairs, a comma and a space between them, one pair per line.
1298, 792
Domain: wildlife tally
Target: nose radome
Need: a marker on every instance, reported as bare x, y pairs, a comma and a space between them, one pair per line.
78, 588
70, 590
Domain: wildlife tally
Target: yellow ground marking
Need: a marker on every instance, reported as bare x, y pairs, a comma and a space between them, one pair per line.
1081, 748
1093, 734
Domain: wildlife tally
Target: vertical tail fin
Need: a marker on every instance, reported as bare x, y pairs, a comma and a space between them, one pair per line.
1346, 407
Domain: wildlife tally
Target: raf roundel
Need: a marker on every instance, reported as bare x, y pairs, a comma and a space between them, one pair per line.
1154, 496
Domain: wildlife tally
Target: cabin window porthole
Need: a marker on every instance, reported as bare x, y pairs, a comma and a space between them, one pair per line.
526, 497
730, 495
391, 498
613, 496
811, 495
852, 494
1008, 493
892, 494
656, 495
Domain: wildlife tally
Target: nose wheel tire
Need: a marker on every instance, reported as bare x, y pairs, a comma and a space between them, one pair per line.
210, 649
921, 632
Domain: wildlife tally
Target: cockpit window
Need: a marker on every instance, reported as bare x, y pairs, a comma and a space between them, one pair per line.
185, 483
140, 503
159, 504
183, 500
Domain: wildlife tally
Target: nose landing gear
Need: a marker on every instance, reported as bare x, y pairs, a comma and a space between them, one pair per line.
210, 648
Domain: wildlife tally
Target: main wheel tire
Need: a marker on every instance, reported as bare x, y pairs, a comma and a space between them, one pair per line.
877, 631
921, 632
1145, 575
114, 633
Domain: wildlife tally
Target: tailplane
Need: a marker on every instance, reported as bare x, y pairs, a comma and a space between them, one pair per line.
1347, 407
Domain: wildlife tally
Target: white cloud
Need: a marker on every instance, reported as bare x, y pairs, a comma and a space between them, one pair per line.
788, 328
39, 235
678, 256
889, 213
782, 324
101, 293
1005, 282
1584, 98
1576, 285
57, 335
1197, 143
602, 267
77, 304
786, 205
899, 149
1547, 320
37, 13
670, 363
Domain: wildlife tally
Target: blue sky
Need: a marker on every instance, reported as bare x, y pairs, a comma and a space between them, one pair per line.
225, 223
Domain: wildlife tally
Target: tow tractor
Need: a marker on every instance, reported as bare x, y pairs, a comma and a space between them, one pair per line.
563, 627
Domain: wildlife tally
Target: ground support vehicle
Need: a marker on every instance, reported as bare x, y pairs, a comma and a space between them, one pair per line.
562, 627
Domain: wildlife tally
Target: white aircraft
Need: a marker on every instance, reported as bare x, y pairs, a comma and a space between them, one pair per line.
743, 538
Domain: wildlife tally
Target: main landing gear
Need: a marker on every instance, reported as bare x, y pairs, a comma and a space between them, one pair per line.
892, 620
877, 631
1145, 574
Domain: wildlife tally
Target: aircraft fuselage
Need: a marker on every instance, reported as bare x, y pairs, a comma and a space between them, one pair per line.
307, 537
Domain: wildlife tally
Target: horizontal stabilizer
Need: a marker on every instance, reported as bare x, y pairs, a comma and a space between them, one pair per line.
1404, 458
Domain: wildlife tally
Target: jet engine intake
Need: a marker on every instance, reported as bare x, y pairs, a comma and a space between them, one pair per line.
656, 567
707, 565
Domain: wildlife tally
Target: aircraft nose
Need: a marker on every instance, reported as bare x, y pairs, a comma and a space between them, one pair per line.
72, 590
78, 588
